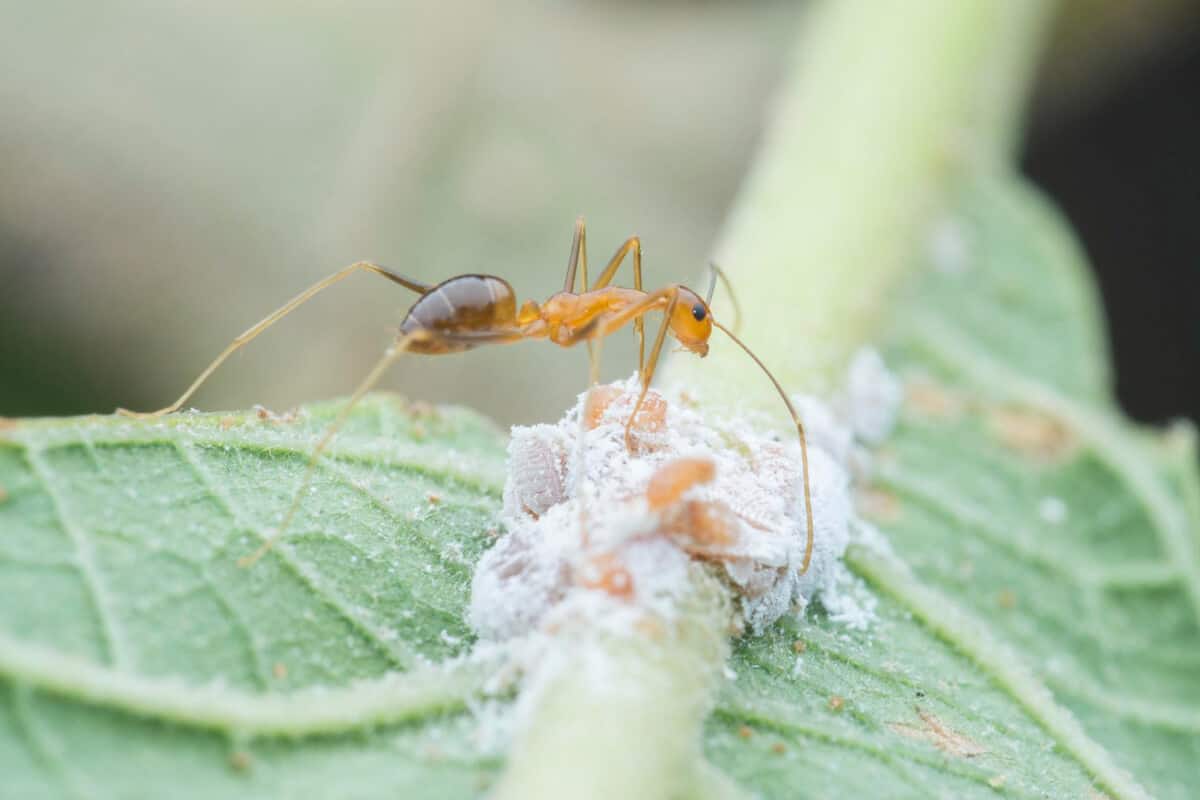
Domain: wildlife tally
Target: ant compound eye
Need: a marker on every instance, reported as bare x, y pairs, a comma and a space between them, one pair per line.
699, 313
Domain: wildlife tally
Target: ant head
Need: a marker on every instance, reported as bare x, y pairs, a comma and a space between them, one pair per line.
691, 321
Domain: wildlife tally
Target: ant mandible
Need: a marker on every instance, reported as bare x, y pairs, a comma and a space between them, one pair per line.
468, 311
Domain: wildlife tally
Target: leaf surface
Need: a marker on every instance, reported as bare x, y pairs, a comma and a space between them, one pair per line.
138, 659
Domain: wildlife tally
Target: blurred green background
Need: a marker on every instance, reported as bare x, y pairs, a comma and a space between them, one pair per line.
171, 172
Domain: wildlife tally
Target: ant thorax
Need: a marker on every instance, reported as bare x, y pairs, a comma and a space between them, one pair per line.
590, 521
567, 314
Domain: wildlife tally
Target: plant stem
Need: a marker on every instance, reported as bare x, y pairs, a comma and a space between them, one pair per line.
888, 105
617, 714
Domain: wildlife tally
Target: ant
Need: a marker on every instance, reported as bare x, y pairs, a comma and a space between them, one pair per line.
468, 311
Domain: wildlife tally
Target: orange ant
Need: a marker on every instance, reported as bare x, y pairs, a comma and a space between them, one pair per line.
468, 311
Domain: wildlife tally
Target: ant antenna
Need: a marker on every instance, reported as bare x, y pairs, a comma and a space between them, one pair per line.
808, 547
717, 272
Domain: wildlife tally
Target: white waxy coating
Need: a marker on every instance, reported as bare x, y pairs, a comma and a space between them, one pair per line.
564, 481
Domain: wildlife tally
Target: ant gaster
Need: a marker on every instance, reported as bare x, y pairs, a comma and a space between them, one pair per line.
468, 311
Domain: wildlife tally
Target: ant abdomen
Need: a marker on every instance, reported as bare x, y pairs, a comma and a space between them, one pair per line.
462, 304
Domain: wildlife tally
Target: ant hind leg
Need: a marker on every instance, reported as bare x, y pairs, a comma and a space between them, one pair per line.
251, 333
390, 357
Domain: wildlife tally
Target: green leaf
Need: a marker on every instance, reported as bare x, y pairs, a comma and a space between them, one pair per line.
1038, 630
137, 659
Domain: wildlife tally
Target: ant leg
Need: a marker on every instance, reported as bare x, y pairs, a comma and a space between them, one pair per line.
593, 364
649, 374
578, 255
249, 335
390, 357
594, 348
583, 253
604, 324
633, 243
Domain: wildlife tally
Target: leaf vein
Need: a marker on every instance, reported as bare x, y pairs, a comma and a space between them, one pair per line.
112, 636
393, 652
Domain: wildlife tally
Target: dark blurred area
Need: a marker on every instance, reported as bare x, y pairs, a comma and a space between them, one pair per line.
1126, 172
169, 173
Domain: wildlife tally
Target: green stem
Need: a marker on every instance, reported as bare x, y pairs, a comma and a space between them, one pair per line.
887, 106
617, 714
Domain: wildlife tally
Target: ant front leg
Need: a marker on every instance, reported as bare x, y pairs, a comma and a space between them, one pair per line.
606, 324
648, 374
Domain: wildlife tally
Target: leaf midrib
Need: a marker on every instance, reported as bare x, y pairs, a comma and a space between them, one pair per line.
393, 698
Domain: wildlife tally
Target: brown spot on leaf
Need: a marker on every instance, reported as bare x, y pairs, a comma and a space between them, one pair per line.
3, 495
1031, 433
936, 732
799, 646
279, 670
745, 732
228, 422
778, 748
878, 504
240, 760
930, 399
267, 415
836, 702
